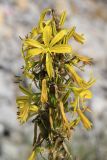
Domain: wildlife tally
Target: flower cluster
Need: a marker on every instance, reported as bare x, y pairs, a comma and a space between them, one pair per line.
56, 87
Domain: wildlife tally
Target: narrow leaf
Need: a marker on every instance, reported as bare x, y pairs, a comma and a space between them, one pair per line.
65, 97
50, 118
24, 90
28, 75
67, 147
35, 133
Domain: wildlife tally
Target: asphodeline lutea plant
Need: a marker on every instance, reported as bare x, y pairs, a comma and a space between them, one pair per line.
54, 86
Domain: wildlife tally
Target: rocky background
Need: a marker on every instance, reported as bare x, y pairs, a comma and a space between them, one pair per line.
17, 17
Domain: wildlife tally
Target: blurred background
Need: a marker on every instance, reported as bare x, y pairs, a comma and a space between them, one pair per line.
17, 17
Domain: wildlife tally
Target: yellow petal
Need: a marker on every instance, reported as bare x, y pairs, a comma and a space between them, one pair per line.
82, 83
24, 115
90, 82
84, 59
86, 94
74, 104
61, 48
33, 52
34, 33
32, 156
82, 93
87, 124
62, 112
23, 112
32, 43
23, 108
49, 66
21, 99
33, 108
58, 37
62, 19
75, 76
65, 120
70, 33
47, 35
79, 38
42, 17
54, 31
48, 22
75, 122
44, 94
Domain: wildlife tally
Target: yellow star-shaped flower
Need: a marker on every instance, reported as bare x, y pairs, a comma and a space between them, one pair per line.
50, 44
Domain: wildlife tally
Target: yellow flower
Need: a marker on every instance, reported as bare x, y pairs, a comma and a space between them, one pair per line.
65, 120
82, 93
82, 83
49, 43
72, 33
79, 37
48, 46
87, 124
25, 108
75, 76
84, 59
44, 95
62, 112
86, 94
